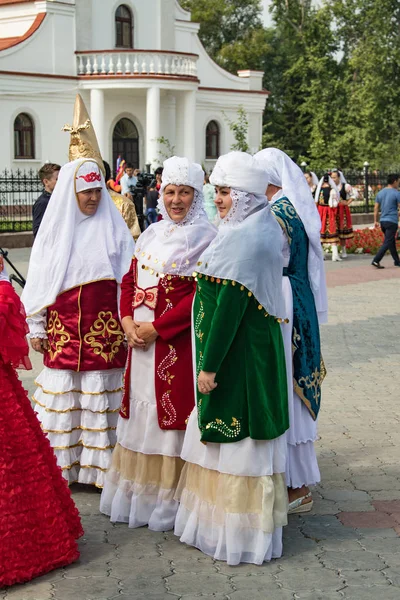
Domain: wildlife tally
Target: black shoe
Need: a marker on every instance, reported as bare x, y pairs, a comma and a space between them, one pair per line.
397, 264
377, 265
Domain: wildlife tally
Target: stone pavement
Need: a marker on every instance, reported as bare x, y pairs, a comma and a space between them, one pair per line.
348, 547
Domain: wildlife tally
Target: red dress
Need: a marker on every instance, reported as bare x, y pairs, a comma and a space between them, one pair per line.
328, 214
39, 522
343, 216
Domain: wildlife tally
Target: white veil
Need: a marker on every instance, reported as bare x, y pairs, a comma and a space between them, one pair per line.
248, 245
183, 242
285, 174
72, 249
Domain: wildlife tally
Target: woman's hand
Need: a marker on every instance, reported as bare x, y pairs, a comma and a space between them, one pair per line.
39, 345
206, 383
146, 331
130, 328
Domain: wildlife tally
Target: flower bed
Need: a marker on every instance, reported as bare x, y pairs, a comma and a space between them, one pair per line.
366, 241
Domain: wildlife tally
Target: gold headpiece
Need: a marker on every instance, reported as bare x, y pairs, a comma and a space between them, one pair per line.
83, 142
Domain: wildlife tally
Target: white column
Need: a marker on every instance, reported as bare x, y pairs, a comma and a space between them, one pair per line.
189, 121
152, 124
97, 118
179, 125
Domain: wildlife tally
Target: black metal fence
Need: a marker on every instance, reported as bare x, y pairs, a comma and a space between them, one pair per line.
368, 184
18, 192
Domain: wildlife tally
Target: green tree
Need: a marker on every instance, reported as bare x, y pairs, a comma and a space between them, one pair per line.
370, 34
239, 129
231, 31
286, 122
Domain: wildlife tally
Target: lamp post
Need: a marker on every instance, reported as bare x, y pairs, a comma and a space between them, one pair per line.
366, 185
303, 166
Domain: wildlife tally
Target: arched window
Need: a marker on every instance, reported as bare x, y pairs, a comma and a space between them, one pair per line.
126, 142
24, 137
212, 140
123, 27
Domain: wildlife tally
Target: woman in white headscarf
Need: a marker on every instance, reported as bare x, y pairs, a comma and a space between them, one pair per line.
304, 289
156, 301
232, 493
327, 199
343, 216
79, 257
312, 181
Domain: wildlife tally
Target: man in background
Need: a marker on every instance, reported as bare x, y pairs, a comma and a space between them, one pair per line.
388, 200
151, 204
128, 181
48, 175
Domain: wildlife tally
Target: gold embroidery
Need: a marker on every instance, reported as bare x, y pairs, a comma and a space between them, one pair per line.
68, 290
197, 324
80, 427
81, 444
58, 337
311, 382
78, 391
79, 327
98, 412
108, 329
231, 431
169, 408
167, 362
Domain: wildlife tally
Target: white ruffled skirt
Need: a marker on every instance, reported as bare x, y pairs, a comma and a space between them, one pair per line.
146, 464
78, 412
301, 464
233, 498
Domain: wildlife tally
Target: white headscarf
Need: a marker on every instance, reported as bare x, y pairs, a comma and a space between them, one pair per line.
314, 178
284, 173
71, 248
180, 243
248, 246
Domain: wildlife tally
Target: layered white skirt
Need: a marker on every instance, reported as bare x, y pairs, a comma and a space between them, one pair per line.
146, 464
78, 412
233, 498
301, 464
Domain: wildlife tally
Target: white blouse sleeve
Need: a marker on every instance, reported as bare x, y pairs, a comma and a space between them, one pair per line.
37, 325
333, 199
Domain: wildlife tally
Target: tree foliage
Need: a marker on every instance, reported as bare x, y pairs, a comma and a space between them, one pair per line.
332, 68
239, 129
231, 31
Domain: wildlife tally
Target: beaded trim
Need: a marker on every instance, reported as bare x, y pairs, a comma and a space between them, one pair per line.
198, 276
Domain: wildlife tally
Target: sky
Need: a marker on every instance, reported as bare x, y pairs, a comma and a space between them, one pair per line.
266, 15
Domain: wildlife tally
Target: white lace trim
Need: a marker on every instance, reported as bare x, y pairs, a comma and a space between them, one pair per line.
37, 325
241, 202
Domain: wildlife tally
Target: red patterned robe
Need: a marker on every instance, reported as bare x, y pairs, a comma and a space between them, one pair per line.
172, 302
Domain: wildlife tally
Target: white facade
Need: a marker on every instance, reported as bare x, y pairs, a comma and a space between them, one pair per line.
166, 84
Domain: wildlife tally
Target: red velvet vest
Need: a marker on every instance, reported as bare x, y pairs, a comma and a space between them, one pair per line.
84, 330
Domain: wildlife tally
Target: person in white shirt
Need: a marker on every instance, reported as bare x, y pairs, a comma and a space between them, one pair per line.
127, 181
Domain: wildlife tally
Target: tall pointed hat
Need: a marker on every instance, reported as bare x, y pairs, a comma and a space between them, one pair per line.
83, 143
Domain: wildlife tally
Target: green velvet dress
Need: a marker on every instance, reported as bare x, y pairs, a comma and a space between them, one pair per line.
243, 345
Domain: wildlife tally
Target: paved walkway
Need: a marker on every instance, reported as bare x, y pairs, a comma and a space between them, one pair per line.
348, 547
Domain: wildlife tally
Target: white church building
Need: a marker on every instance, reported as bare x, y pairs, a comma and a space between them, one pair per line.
141, 69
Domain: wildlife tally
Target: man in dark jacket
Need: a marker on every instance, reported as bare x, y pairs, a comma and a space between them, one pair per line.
48, 175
